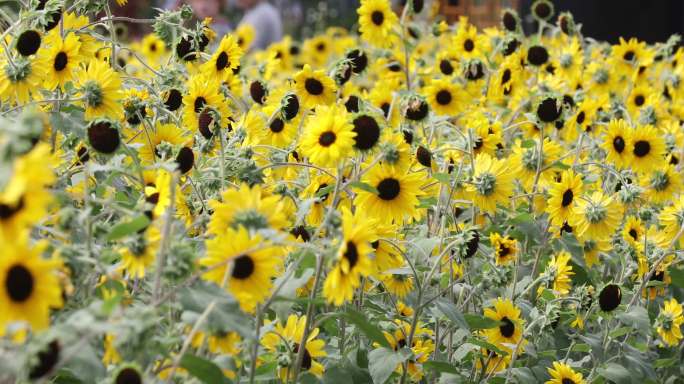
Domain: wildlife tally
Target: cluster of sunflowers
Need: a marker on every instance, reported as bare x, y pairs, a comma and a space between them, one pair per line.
418, 202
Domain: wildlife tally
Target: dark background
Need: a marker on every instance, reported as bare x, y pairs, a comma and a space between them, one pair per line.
647, 20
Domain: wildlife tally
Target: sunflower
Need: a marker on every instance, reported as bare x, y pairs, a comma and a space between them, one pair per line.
204, 105
559, 273
225, 59
596, 217
368, 129
141, 253
20, 79
561, 373
24, 199
245, 262
671, 220
492, 182
616, 143
398, 284
353, 258
527, 161
269, 128
670, 321
100, 89
153, 48
30, 285
61, 61
467, 43
314, 87
246, 207
445, 97
284, 342
561, 202
494, 361
633, 232
661, 185
162, 143
328, 136
397, 194
376, 20
510, 329
421, 347
629, 54
505, 248
647, 147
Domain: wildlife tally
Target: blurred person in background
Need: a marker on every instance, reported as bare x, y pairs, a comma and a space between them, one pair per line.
265, 19
213, 9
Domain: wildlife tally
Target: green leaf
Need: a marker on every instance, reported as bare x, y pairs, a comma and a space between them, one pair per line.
427, 202
637, 317
668, 362
364, 186
383, 361
480, 322
204, 370
677, 276
335, 374
440, 366
368, 329
325, 190
529, 143
123, 229
452, 313
615, 373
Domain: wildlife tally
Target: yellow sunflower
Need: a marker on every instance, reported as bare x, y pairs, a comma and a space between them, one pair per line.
225, 59
445, 97
662, 184
328, 136
244, 264
492, 183
62, 61
596, 217
397, 194
510, 329
30, 285
616, 143
21, 79
247, 207
100, 89
204, 105
140, 253
505, 248
314, 87
284, 343
559, 273
353, 258
562, 203
561, 373
647, 148
376, 20
670, 321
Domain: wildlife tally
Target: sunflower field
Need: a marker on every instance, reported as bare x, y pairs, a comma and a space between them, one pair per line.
416, 202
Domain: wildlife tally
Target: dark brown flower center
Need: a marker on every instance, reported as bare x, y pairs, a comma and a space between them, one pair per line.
221, 61
388, 189
313, 86
243, 267
327, 138
567, 197
642, 148
61, 61
507, 327
19, 283
443, 97
377, 17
